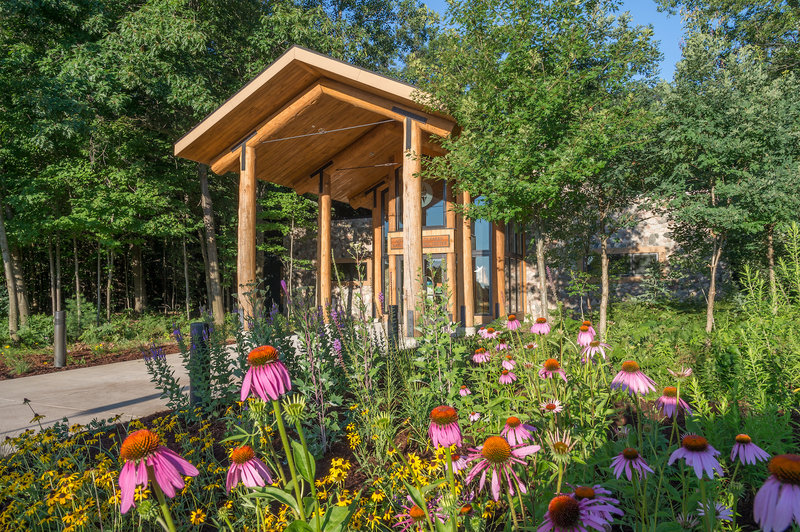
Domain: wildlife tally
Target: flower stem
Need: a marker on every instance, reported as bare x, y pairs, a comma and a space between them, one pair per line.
285, 440
707, 508
451, 479
308, 465
511, 507
162, 502
560, 476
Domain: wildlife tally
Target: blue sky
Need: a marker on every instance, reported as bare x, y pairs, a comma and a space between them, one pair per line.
666, 29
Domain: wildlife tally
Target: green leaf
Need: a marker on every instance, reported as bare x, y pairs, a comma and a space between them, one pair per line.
337, 517
305, 463
299, 526
273, 493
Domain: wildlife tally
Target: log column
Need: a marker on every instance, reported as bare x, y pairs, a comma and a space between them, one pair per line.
246, 258
377, 253
499, 252
451, 257
324, 237
391, 211
412, 222
467, 277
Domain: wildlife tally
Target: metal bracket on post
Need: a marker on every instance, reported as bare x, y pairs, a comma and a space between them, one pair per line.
199, 333
59, 338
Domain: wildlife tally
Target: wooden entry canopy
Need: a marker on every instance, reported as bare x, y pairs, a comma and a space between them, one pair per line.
316, 124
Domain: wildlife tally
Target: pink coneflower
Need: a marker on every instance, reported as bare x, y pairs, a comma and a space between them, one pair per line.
688, 521
588, 324
481, 356
513, 323
248, 469
550, 368
490, 333
498, 456
585, 336
267, 376
459, 462
629, 461
632, 379
777, 502
669, 403
474, 416
532, 345
540, 326
551, 406
594, 347
719, 511
141, 451
747, 451
598, 495
698, 454
506, 377
560, 443
464, 391
502, 346
516, 432
444, 430
413, 518
566, 513
509, 363
681, 373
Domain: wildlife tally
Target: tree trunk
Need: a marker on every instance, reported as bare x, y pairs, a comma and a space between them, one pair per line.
59, 296
712, 288
205, 266
51, 260
215, 288
290, 281
541, 272
164, 275
604, 289
773, 287
127, 290
77, 280
186, 278
137, 268
22, 292
11, 285
108, 284
99, 279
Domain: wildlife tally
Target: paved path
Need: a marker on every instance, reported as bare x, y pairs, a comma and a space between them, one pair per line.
121, 388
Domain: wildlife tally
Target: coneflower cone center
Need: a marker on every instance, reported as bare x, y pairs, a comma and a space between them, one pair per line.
490, 330
139, 444
594, 343
480, 350
550, 406
630, 453
560, 447
743, 438
467, 508
496, 449
670, 391
242, 455
584, 328
512, 317
786, 467
454, 457
463, 386
694, 443
587, 323
262, 355
541, 320
444, 415
513, 422
584, 492
551, 364
505, 372
564, 511
509, 357
416, 513
629, 366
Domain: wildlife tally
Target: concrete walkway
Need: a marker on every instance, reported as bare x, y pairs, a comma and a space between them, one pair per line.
81, 395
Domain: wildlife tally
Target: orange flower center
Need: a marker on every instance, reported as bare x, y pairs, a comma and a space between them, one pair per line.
743, 438
509, 357
454, 457
551, 364
541, 320
513, 422
262, 355
786, 467
512, 317
139, 444
584, 492
565, 512
496, 449
242, 454
594, 343
490, 330
550, 406
629, 366
463, 386
671, 391
505, 372
529, 346
443, 415
416, 513
480, 350
560, 447
587, 323
694, 443
584, 328
467, 508
630, 453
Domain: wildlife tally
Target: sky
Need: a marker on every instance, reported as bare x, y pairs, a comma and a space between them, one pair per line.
666, 29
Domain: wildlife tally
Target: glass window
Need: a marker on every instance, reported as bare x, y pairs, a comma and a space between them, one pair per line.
433, 203
398, 198
627, 264
434, 266
482, 267
641, 263
513, 299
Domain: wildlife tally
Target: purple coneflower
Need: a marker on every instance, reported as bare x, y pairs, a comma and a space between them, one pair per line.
444, 429
585, 336
561, 444
632, 379
747, 451
141, 451
267, 377
474, 416
481, 356
698, 454
513, 323
498, 456
598, 496
566, 513
501, 346
688, 521
550, 368
509, 363
464, 391
681, 373
594, 347
248, 469
777, 502
532, 345
719, 511
517, 432
506, 377
669, 403
629, 461
540, 326
413, 518
551, 406
588, 324
459, 462
490, 333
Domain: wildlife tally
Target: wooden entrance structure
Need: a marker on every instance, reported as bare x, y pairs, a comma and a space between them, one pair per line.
322, 126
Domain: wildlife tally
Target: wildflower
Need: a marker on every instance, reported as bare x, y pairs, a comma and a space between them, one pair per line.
414, 516
498, 456
517, 432
444, 429
669, 403
698, 454
141, 451
489, 333
198, 517
550, 368
628, 461
681, 373
594, 347
566, 513
688, 521
560, 444
464, 391
506, 377
481, 356
585, 336
337, 346
720, 511
747, 451
540, 326
777, 502
474, 416
459, 462
502, 346
267, 376
509, 363
513, 323
553, 406
532, 345
465, 509
248, 469
632, 379
598, 495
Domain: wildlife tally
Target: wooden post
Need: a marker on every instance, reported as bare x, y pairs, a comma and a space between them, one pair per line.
467, 275
412, 222
246, 257
377, 253
391, 211
450, 223
324, 259
499, 252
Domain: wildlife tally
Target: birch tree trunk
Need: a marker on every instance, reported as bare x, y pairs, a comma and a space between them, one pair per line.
204, 253
541, 272
604, 287
215, 288
22, 292
773, 287
77, 280
108, 284
137, 268
186, 277
99, 280
11, 285
52, 262
59, 297
712, 288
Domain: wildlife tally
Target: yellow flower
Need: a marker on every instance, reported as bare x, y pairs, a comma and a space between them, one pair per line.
198, 517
